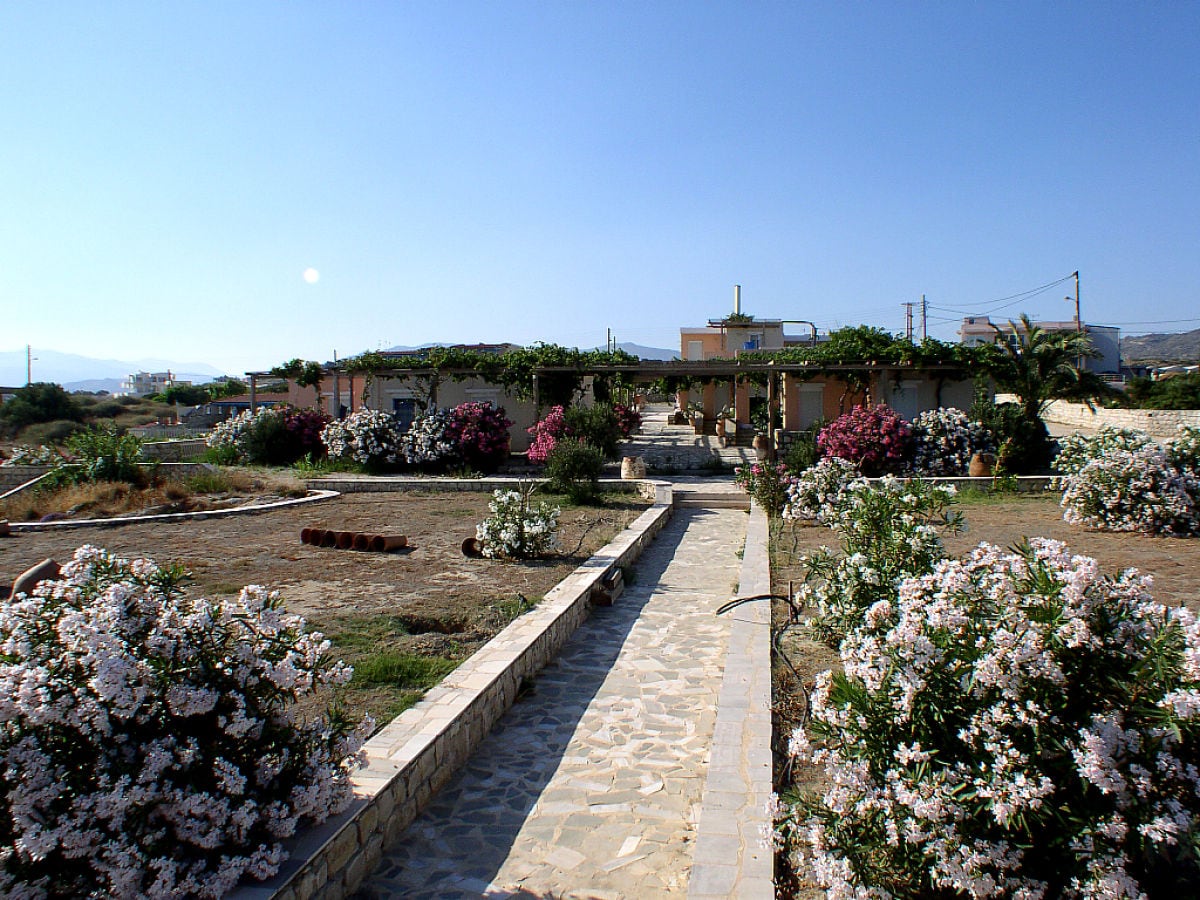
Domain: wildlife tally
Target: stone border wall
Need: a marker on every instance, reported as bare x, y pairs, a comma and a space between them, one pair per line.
1158, 423
415, 755
732, 858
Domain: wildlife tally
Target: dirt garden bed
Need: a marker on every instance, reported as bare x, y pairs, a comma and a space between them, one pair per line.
1003, 520
403, 618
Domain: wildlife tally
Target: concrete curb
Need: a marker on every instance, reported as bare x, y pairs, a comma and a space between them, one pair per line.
733, 858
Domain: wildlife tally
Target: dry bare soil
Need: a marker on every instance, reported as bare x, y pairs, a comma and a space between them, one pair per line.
426, 599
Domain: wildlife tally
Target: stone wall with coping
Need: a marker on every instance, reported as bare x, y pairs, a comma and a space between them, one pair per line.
15, 476
173, 451
1158, 423
411, 758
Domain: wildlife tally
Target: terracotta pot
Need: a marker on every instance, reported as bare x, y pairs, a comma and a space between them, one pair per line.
472, 548
329, 538
361, 542
982, 465
761, 442
344, 540
311, 536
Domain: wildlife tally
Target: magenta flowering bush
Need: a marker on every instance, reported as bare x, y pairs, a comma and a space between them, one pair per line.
305, 427
150, 744
269, 435
629, 420
767, 484
546, 433
480, 431
874, 438
1014, 724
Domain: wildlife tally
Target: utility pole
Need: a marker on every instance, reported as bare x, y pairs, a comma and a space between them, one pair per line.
924, 319
29, 357
908, 321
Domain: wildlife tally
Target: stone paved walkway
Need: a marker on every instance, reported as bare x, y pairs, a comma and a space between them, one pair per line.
590, 787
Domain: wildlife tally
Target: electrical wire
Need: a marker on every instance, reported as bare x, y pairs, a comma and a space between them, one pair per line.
1003, 302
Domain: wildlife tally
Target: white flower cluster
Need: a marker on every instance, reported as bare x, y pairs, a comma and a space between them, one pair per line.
1122, 481
814, 493
148, 742
366, 436
427, 441
24, 455
890, 530
944, 440
1010, 725
517, 528
231, 434
1077, 450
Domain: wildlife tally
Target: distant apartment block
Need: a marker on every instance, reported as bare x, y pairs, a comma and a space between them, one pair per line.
143, 384
1106, 339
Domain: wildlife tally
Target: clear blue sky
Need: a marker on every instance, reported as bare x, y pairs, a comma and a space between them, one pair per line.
517, 171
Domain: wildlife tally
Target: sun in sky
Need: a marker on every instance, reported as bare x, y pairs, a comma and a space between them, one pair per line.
311, 275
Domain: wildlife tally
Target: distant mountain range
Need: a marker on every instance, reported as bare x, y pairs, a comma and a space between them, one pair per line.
84, 373
1144, 349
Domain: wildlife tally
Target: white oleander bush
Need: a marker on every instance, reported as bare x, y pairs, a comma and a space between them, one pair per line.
1011, 725
150, 744
429, 442
518, 528
890, 529
1133, 490
1077, 450
368, 437
814, 493
944, 440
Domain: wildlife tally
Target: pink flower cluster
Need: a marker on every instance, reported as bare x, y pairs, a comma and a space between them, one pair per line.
480, 431
875, 438
629, 420
546, 433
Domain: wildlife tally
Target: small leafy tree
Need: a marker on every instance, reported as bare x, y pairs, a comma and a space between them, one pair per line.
41, 401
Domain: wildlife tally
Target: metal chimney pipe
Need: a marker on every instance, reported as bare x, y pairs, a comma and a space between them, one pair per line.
737, 299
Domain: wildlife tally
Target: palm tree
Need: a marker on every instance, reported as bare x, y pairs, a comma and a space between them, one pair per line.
1040, 366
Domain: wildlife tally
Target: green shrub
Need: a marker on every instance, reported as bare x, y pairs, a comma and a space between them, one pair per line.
1024, 446
804, 453
39, 402
106, 409
50, 433
107, 454
574, 469
596, 425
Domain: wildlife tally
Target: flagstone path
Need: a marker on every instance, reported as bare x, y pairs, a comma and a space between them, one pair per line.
590, 787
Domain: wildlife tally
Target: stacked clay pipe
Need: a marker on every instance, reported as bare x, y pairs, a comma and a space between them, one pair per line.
352, 540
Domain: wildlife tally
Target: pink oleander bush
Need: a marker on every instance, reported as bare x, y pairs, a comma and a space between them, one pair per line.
1008, 725
480, 432
629, 420
874, 438
766, 483
546, 433
150, 744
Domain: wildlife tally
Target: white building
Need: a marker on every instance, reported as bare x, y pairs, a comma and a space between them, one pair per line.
1106, 339
143, 384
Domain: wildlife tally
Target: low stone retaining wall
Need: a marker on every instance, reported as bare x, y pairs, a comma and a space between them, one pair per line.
15, 476
356, 484
414, 756
1159, 423
174, 451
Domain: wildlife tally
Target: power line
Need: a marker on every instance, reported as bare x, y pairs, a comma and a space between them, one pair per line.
1003, 301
